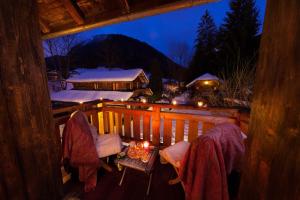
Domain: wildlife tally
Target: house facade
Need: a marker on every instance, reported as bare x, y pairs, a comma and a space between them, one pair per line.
103, 79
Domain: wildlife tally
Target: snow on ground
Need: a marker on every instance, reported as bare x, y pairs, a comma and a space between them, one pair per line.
55, 86
183, 98
80, 96
105, 74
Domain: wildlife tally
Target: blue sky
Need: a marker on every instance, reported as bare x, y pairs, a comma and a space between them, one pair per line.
161, 31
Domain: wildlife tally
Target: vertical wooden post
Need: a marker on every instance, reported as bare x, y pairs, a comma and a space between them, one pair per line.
272, 170
156, 125
29, 149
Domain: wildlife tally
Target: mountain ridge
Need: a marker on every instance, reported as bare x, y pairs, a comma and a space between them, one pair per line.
116, 50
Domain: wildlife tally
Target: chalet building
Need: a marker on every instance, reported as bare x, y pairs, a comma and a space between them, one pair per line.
31, 150
131, 80
204, 82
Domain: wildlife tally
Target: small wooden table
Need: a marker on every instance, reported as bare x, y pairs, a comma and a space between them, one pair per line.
137, 164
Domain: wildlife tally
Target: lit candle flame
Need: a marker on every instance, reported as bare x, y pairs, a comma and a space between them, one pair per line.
146, 144
174, 102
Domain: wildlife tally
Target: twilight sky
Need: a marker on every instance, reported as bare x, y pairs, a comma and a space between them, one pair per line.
161, 31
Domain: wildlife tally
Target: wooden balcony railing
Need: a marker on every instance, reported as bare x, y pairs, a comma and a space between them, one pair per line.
161, 124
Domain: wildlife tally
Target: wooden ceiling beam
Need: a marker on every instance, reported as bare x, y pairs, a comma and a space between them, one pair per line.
44, 26
98, 22
126, 5
74, 10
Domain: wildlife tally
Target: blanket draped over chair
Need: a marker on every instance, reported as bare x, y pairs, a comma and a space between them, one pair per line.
80, 150
208, 162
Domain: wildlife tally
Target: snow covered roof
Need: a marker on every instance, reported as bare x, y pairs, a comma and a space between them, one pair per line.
105, 74
81, 96
204, 77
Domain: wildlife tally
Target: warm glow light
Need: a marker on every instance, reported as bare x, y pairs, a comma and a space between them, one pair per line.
101, 98
81, 102
146, 144
144, 101
200, 103
122, 99
206, 82
174, 102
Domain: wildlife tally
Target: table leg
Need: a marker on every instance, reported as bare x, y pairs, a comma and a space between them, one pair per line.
149, 184
121, 181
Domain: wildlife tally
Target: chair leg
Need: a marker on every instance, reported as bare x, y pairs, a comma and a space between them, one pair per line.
149, 184
121, 181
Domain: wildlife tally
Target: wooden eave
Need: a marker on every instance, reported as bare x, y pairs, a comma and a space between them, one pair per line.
63, 17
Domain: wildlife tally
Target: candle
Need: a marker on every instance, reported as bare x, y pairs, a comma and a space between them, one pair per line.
146, 144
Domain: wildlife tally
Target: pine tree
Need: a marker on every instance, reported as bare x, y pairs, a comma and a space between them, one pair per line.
204, 58
237, 37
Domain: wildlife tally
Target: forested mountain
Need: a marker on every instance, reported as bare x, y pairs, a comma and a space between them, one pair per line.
120, 51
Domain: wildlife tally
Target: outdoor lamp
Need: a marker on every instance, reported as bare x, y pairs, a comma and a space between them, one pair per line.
200, 103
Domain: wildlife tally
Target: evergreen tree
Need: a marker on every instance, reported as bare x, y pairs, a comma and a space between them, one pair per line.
155, 82
238, 35
204, 58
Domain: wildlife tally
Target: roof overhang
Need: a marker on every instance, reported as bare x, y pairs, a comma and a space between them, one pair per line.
63, 17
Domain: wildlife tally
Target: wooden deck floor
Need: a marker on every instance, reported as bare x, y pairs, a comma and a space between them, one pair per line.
133, 188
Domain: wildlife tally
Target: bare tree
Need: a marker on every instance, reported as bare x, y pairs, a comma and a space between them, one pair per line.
59, 49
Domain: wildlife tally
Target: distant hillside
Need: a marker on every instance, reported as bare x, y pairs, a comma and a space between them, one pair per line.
124, 52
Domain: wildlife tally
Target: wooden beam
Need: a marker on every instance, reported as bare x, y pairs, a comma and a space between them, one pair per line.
126, 6
29, 150
44, 26
130, 16
272, 169
74, 10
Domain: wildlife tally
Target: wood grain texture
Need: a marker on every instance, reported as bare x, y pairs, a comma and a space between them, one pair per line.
29, 150
127, 125
179, 130
167, 132
74, 11
106, 122
273, 160
193, 130
146, 127
118, 121
95, 120
156, 126
136, 126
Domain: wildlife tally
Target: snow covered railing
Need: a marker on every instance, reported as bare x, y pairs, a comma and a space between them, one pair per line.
161, 124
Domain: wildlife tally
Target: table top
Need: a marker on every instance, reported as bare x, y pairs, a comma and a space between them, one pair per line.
137, 163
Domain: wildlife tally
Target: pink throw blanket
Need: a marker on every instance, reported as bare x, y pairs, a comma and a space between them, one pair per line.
208, 162
79, 148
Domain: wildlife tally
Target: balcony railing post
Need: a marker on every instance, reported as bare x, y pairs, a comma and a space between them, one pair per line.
156, 125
